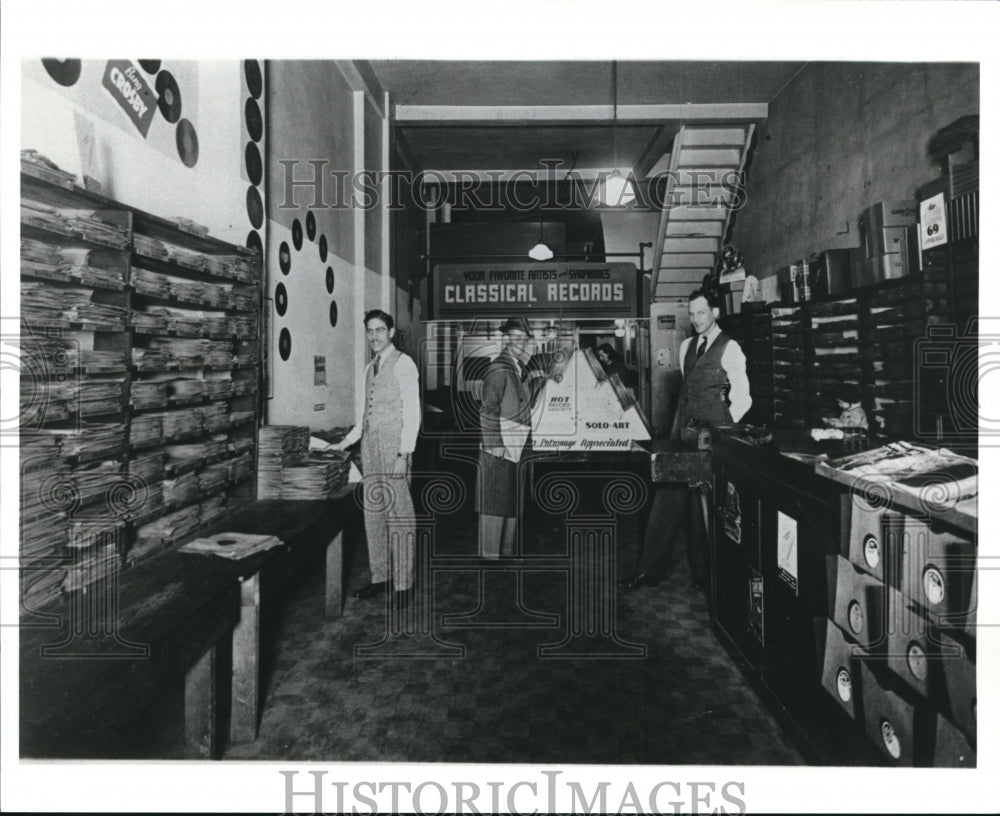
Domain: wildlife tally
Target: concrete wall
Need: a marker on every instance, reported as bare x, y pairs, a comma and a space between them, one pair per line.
315, 116
838, 138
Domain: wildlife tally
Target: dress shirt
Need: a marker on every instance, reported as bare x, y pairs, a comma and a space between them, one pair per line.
734, 363
409, 392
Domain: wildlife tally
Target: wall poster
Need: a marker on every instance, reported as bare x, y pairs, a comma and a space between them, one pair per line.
788, 551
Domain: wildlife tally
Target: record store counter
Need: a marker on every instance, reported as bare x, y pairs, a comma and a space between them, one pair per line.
816, 577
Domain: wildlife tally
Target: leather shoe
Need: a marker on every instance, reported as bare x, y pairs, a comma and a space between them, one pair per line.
642, 580
401, 598
371, 591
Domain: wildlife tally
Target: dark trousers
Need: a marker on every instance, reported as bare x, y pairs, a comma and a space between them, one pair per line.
673, 508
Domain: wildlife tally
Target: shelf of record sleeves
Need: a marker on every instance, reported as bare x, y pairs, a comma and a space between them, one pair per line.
138, 384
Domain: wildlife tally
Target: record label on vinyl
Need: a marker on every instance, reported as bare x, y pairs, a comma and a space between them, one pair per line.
284, 258
170, 96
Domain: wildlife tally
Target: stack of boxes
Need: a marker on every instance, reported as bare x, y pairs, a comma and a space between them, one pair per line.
900, 640
889, 243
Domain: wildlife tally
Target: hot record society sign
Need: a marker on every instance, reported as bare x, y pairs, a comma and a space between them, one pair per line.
472, 291
577, 411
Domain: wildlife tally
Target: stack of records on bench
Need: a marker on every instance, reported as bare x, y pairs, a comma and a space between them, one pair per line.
318, 477
287, 470
278, 447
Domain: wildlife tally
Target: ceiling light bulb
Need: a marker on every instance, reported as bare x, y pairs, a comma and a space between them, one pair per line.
540, 252
618, 191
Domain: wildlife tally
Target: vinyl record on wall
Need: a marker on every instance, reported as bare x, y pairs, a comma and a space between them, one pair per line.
333, 313
187, 143
254, 242
170, 96
311, 226
322, 248
284, 258
150, 66
329, 279
64, 71
255, 207
280, 299
255, 166
255, 80
297, 234
285, 344
254, 119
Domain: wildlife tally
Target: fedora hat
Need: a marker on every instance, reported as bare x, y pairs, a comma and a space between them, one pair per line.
515, 323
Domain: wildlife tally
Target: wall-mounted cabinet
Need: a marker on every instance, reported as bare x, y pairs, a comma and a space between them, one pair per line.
140, 385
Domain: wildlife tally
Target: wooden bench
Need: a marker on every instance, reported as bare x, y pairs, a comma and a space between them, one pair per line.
120, 646
303, 526
124, 643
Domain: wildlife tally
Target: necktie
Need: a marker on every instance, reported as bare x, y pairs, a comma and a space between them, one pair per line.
701, 346
376, 365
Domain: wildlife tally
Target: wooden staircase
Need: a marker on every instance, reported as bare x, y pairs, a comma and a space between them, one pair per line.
703, 187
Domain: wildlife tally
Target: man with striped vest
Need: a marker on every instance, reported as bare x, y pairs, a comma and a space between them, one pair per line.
388, 434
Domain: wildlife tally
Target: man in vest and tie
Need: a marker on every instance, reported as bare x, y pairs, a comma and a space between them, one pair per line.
715, 392
388, 433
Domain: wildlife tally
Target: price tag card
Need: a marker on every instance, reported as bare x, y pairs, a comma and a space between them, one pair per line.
933, 227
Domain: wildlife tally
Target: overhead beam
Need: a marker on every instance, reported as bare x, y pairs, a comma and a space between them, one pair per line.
540, 173
360, 77
430, 115
657, 145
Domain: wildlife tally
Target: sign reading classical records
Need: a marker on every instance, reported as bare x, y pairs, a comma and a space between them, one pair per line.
127, 86
578, 411
562, 289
